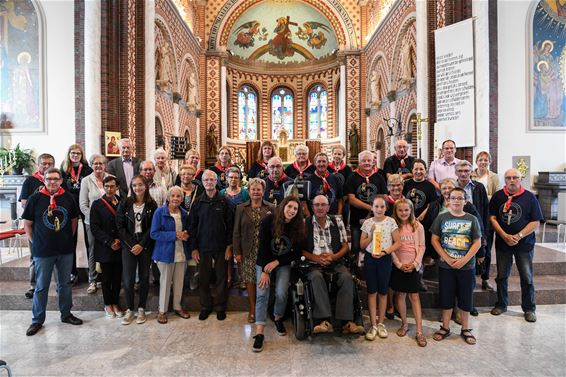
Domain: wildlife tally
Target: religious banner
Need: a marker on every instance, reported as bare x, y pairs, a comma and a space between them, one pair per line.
455, 84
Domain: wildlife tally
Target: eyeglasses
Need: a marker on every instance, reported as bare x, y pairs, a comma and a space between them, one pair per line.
274, 166
76, 153
52, 179
320, 205
110, 186
458, 199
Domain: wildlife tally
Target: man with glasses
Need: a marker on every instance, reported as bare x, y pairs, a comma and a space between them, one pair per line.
444, 167
31, 185
276, 182
50, 220
322, 182
326, 244
515, 214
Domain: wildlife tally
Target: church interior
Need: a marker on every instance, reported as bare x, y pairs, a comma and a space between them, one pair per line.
202, 74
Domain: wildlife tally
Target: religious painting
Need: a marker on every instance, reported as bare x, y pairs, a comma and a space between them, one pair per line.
290, 31
111, 140
548, 89
21, 67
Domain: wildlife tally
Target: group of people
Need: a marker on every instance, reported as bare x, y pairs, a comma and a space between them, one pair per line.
141, 216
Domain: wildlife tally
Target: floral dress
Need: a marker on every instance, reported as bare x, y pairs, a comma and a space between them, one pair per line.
250, 258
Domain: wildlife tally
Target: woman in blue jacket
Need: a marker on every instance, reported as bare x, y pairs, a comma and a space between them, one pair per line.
171, 252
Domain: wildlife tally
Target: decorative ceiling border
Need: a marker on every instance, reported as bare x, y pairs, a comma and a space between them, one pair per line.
331, 9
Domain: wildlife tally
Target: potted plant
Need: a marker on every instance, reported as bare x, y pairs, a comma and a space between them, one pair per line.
22, 159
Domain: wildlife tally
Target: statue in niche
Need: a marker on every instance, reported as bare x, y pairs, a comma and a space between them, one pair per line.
192, 92
374, 89
353, 142
407, 76
162, 67
211, 142
283, 149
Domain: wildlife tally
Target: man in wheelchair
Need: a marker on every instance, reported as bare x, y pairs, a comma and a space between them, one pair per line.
326, 245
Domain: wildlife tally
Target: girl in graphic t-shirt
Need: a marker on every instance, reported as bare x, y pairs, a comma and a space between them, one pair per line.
377, 262
406, 263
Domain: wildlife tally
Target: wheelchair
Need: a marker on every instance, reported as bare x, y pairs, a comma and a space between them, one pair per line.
302, 301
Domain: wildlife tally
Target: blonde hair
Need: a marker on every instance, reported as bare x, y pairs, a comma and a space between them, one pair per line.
190, 168
394, 178
412, 220
256, 181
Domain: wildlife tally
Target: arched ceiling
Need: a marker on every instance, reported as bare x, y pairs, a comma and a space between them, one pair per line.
240, 21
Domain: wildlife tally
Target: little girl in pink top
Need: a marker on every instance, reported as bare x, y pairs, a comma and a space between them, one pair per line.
406, 263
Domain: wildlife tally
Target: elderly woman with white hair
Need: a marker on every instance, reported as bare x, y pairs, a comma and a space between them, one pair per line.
301, 167
163, 172
171, 252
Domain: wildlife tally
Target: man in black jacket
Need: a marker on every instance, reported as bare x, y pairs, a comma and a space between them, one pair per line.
210, 239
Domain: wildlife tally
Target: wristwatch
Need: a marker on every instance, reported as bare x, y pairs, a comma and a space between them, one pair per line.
521, 235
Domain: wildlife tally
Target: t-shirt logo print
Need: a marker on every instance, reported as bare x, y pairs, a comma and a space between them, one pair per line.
456, 237
512, 215
366, 191
417, 197
281, 245
55, 218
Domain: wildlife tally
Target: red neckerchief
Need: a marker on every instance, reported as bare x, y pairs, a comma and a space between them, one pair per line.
401, 161
39, 176
390, 199
510, 197
324, 181
366, 176
276, 183
52, 202
262, 164
109, 206
337, 169
75, 177
222, 169
301, 171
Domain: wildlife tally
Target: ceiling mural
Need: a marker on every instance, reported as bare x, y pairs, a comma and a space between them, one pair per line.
290, 32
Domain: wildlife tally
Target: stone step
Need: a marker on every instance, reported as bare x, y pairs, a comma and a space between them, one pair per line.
550, 289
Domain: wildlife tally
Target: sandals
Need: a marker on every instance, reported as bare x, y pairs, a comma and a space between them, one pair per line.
403, 330
183, 314
323, 327
162, 318
421, 340
469, 338
441, 334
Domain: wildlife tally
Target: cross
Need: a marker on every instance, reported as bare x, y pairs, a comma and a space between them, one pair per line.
509, 216
418, 121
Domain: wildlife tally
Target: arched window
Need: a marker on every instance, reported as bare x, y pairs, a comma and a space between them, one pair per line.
247, 113
318, 111
281, 112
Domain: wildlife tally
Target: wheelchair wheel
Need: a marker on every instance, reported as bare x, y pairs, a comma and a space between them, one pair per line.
298, 323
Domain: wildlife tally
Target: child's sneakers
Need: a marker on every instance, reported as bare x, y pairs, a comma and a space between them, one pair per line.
381, 331
372, 333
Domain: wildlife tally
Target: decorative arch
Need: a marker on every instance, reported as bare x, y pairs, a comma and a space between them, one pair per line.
380, 66
162, 39
407, 34
189, 82
233, 9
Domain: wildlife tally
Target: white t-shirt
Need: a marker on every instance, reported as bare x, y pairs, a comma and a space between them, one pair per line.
388, 225
138, 211
179, 252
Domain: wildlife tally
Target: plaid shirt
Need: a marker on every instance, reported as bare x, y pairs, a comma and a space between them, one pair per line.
324, 234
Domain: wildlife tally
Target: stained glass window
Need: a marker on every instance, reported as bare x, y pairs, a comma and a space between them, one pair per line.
282, 112
318, 112
247, 113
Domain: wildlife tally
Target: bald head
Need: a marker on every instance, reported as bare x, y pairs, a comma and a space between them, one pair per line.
320, 205
401, 148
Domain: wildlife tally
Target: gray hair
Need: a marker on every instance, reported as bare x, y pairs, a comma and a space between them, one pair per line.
447, 180
172, 189
52, 170
394, 178
362, 153
147, 162
233, 169
256, 181
210, 172
463, 163
122, 141
301, 147
159, 151
96, 156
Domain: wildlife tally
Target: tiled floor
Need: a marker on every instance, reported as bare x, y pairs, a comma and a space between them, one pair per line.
507, 346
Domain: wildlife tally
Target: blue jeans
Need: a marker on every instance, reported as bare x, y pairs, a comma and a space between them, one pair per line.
43, 271
282, 275
524, 261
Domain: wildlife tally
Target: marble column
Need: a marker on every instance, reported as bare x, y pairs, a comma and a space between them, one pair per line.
149, 78
93, 105
480, 11
422, 78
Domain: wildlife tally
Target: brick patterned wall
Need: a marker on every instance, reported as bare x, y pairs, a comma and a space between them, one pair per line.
353, 97
171, 28
382, 55
79, 72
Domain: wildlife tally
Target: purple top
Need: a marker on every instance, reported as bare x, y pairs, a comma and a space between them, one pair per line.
440, 169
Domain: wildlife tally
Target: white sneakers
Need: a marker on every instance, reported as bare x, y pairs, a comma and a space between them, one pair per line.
378, 330
141, 316
128, 317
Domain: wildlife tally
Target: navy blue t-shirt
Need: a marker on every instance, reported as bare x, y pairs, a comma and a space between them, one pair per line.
293, 173
524, 209
317, 188
30, 186
363, 191
420, 193
52, 233
272, 193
